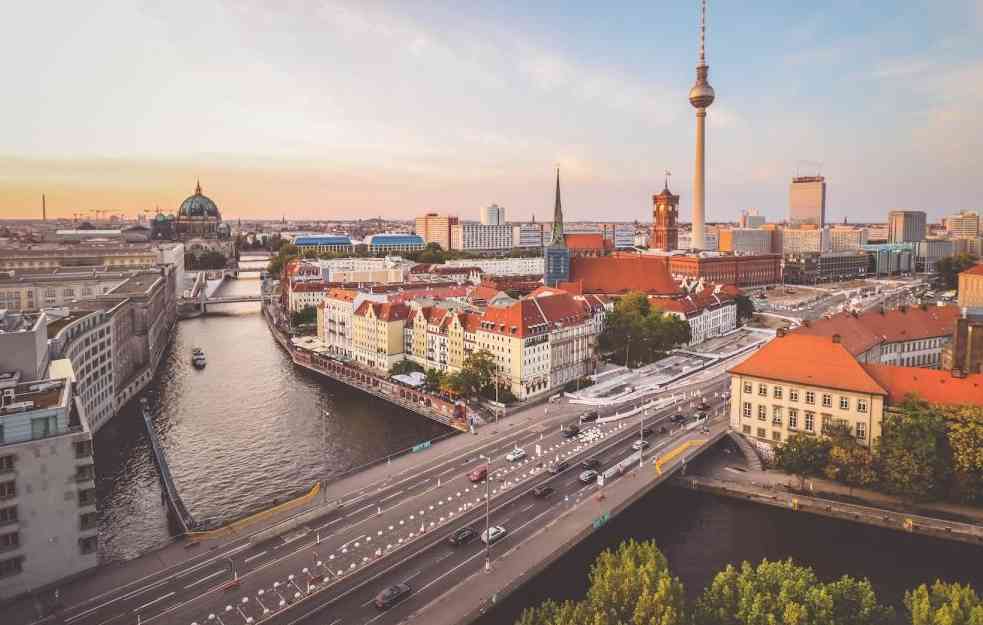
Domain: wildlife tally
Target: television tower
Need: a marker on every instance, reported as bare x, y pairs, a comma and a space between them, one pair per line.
700, 96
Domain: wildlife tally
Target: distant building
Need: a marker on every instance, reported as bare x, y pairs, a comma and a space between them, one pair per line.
198, 223
587, 244
741, 271
529, 235
964, 353
556, 254
930, 251
472, 237
325, 243
806, 241
971, 287
711, 240
906, 226
745, 241
812, 268
394, 243
972, 246
888, 259
965, 225
847, 238
665, 211
434, 228
807, 201
751, 219
504, 266
493, 215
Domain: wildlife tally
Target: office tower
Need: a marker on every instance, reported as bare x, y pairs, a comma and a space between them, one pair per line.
964, 225
434, 228
493, 215
665, 234
905, 226
700, 96
556, 253
807, 201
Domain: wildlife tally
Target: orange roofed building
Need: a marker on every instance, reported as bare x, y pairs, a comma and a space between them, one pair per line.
805, 383
620, 273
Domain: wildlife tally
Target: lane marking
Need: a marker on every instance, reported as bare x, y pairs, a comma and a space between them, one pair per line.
365, 507
529, 507
205, 579
254, 556
150, 603
396, 494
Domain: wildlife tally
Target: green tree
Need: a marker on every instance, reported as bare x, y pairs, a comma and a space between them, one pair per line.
784, 592
964, 428
849, 461
403, 367
802, 455
950, 267
745, 307
479, 368
434, 379
944, 604
912, 452
633, 330
285, 252
305, 316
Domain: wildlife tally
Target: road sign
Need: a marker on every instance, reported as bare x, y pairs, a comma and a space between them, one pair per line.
421, 446
600, 521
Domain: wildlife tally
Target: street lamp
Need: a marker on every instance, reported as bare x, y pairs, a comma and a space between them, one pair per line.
487, 514
641, 438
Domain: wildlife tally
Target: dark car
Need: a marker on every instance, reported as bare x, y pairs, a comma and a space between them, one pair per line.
588, 417
391, 596
591, 463
570, 431
559, 467
678, 418
462, 536
542, 491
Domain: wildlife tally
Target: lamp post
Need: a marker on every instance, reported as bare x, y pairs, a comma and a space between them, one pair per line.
627, 350
641, 438
487, 514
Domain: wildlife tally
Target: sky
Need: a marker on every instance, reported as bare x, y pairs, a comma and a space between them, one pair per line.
338, 110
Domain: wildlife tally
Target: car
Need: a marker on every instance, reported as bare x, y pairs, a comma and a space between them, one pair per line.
678, 418
542, 491
516, 454
478, 474
637, 445
591, 463
570, 431
462, 536
704, 406
559, 467
646, 432
493, 534
588, 417
588, 476
392, 595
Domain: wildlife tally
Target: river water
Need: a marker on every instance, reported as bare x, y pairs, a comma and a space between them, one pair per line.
248, 430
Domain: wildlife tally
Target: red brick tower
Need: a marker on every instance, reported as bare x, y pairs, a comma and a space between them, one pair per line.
665, 234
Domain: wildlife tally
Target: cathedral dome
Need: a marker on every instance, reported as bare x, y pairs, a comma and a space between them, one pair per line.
199, 205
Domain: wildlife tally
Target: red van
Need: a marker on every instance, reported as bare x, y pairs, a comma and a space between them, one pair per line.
479, 473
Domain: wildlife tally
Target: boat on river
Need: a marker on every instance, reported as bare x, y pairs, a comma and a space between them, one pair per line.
198, 358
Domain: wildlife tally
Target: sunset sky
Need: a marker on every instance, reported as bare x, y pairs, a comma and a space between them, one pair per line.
343, 110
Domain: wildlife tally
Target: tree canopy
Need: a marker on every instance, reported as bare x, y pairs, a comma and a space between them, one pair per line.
636, 333
950, 267
803, 455
944, 604
964, 425
912, 451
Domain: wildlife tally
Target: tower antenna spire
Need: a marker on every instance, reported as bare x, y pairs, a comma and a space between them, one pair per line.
703, 32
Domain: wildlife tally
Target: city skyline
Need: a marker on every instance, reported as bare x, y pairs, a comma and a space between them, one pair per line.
338, 111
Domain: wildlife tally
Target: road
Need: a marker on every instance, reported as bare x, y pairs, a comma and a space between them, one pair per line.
340, 561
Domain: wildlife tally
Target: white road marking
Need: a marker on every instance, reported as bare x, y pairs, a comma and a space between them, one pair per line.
351, 541
150, 603
412, 576
254, 556
388, 497
365, 507
206, 578
529, 507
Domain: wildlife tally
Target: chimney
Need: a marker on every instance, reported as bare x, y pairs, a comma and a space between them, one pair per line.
837, 338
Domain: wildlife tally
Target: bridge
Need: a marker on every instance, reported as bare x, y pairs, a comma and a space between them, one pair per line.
175, 505
203, 302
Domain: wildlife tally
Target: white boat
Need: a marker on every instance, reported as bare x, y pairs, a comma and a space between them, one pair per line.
198, 358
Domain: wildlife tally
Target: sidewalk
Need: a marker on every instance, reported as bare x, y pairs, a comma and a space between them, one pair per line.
105, 578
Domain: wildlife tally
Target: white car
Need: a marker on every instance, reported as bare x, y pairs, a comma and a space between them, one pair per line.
639, 445
493, 534
516, 454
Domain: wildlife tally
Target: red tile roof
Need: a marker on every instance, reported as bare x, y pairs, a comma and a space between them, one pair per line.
623, 273
384, 311
873, 327
534, 315
585, 241
692, 304
809, 360
932, 385
975, 270
347, 295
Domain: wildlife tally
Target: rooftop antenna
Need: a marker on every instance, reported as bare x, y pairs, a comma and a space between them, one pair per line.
703, 32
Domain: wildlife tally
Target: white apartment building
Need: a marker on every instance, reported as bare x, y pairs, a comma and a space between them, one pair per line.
709, 312
20, 290
85, 338
847, 239
493, 215
504, 266
48, 517
805, 241
745, 240
336, 315
529, 235
711, 240
479, 237
965, 225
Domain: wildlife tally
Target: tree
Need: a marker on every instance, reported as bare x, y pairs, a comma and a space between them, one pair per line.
964, 428
745, 307
849, 461
802, 455
950, 267
434, 379
403, 367
944, 604
305, 316
480, 369
632, 585
784, 592
912, 453
633, 330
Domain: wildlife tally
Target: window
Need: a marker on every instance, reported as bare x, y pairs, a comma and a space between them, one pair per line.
861, 431
9, 541
88, 545
8, 489
85, 473
6, 462
827, 400
776, 435
862, 405
43, 427
761, 433
747, 410
746, 429
8, 515
844, 403
793, 418
87, 497
810, 421
11, 566
810, 397
762, 413
776, 415
747, 387
88, 520
777, 392
763, 390
793, 394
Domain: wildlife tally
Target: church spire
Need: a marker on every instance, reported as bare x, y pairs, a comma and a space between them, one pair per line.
197, 186
557, 238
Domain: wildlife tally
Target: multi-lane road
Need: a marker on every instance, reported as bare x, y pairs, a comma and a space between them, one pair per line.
329, 571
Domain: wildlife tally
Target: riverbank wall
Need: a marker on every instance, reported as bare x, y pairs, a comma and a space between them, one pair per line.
879, 517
